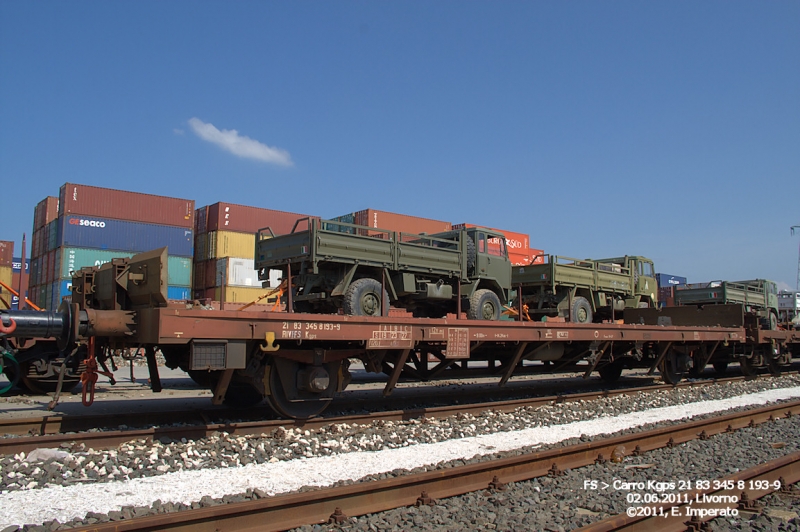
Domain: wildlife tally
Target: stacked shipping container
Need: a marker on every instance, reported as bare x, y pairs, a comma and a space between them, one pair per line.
225, 247
16, 269
6, 272
393, 222
666, 288
94, 225
518, 244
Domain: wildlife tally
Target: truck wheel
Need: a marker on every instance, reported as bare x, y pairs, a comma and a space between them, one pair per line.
471, 256
364, 298
581, 311
773, 321
484, 305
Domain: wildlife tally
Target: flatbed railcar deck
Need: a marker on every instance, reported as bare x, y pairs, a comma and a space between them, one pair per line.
299, 361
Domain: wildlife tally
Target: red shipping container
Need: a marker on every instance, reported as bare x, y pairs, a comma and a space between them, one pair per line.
242, 219
45, 212
6, 253
516, 242
529, 256
392, 221
122, 205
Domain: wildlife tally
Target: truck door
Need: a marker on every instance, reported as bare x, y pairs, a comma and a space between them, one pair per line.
492, 258
646, 285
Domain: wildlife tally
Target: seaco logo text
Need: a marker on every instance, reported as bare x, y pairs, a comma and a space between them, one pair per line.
87, 223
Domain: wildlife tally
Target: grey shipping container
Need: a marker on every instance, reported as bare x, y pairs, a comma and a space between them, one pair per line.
123, 205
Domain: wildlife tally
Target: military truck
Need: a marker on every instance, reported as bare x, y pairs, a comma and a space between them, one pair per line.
361, 270
584, 291
758, 296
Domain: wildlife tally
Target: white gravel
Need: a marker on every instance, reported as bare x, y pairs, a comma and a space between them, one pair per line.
67, 502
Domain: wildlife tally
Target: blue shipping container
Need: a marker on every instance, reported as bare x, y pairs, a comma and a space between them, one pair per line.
16, 265
179, 292
120, 235
665, 280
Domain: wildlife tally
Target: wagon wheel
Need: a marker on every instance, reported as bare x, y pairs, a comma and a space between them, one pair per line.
295, 409
10, 367
720, 366
774, 363
47, 382
747, 366
611, 372
673, 367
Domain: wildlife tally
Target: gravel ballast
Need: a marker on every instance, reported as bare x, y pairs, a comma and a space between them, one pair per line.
280, 476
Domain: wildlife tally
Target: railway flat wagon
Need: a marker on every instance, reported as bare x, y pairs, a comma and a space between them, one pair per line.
299, 361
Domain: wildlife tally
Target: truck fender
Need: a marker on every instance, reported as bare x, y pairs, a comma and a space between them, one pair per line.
344, 282
489, 284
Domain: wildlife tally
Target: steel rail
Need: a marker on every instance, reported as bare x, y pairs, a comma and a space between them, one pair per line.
49, 427
783, 471
319, 506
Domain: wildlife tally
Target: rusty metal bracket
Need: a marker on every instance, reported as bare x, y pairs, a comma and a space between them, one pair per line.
398, 369
337, 517
222, 387
496, 485
514, 361
663, 350
595, 358
554, 471
748, 505
152, 368
425, 499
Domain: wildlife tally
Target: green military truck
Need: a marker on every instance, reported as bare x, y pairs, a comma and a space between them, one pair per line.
362, 270
583, 291
758, 296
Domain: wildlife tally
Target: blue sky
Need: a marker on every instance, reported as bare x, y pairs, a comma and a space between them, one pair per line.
665, 129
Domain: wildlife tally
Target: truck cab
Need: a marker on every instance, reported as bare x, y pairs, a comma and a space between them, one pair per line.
645, 286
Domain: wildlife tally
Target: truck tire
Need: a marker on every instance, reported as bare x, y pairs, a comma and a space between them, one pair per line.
471, 256
581, 311
364, 297
484, 305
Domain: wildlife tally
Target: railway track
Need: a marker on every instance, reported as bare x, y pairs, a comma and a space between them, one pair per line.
52, 431
336, 504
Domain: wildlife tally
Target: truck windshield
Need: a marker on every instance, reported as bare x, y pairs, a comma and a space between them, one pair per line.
492, 244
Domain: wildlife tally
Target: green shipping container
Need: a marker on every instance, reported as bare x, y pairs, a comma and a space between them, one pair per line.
179, 269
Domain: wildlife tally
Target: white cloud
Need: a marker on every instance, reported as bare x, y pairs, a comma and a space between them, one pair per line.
178, 131
239, 145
